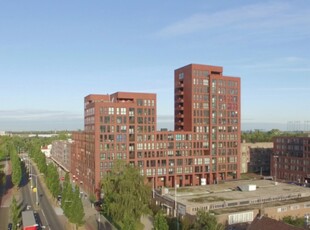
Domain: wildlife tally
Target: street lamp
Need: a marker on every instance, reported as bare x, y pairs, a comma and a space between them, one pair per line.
175, 202
275, 157
99, 221
37, 196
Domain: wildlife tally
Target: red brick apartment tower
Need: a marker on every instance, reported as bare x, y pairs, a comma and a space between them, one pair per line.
203, 149
115, 127
208, 104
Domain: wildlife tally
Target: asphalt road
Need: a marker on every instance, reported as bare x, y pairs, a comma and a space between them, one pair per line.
47, 213
4, 217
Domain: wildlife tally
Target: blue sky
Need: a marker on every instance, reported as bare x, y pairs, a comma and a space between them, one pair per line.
53, 53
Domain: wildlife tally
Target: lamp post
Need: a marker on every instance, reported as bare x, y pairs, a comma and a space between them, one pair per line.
99, 221
37, 196
275, 157
175, 203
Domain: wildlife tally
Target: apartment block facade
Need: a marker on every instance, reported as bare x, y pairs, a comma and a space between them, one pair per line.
291, 159
203, 149
256, 157
61, 154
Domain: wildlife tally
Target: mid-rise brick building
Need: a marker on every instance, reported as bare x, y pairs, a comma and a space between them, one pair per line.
61, 154
291, 159
256, 157
203, 149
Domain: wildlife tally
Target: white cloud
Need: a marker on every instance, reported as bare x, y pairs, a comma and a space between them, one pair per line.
37, 115
286, 89
253, 17
280, 64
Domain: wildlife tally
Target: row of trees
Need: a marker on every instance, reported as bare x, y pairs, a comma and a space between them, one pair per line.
11, 146
15, 213
8, 150
265, 136
71, 203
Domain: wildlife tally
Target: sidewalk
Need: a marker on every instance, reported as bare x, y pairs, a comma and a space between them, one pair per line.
6, 193
91, 215
92, 218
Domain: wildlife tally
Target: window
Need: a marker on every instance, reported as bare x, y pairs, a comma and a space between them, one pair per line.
131, 111
139, 102
111, 110
107, 119
123, 128
123, 111
205, 82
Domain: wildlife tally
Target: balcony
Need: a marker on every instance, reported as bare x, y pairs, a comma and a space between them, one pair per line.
180, 123
180, 115
179, 92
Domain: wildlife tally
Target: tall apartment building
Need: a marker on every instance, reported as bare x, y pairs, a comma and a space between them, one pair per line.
203, 149
291, 159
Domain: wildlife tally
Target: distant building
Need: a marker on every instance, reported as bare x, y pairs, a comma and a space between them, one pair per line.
61, 154
2, 133
46, 150
256, 157
203, 149
291, 159
42, 135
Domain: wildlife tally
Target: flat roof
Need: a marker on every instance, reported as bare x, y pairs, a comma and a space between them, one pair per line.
228, 192
28, 218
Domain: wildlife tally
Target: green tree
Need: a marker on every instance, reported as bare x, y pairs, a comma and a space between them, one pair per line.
186, 223
67, 196
14, 213
173, 223
16, 168
206, 221
77, 209
127, 196
160, 222
52, 180
71, 203
295, 221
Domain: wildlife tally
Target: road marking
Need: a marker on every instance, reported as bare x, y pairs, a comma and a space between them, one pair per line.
45, 218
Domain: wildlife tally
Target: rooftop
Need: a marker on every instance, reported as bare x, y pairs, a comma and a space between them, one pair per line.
228, 195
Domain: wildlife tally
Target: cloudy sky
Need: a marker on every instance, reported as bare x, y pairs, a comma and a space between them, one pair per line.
53, 53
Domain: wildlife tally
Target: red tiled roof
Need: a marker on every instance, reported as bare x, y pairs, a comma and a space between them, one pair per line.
266, 223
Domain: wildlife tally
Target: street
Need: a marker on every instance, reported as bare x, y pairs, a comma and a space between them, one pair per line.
47, 213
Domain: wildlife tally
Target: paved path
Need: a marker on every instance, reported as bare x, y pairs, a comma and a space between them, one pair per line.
7, 189
6, 195
147, 221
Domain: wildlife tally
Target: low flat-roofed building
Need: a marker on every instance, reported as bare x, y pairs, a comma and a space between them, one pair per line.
231, 205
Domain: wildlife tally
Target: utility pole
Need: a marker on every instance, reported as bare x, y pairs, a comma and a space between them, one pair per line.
275, 157
175, 203
37, 196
